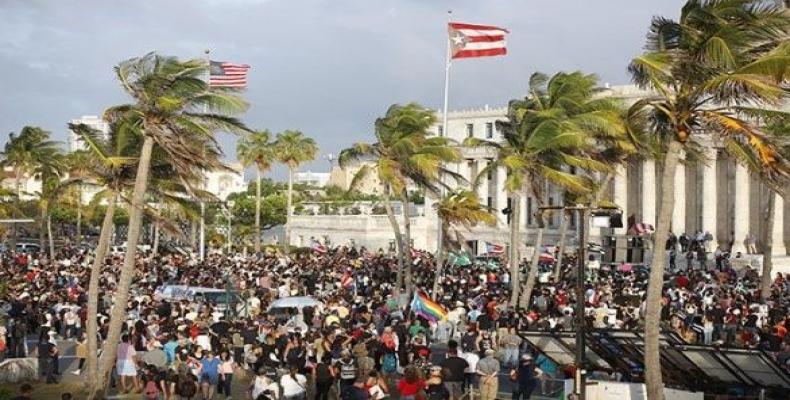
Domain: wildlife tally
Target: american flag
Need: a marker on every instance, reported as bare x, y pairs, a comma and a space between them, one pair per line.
468, 40
225, 74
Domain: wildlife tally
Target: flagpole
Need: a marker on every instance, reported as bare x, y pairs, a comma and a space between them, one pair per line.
202, 251
439, 224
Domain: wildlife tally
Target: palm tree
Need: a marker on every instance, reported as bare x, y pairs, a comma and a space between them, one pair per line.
545, 134
404, 154
78, 166
111, 165
458, 210
702, 69
176, 111
257, 148
27, 154
293, 148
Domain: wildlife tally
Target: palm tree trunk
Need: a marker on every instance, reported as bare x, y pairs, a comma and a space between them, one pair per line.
563, 235
257, 209
439, 260
42, 226
398, 238
118, 314
409, 281
289, 212
193, 235
92, 362
602, 187
653, 378
18, 191
155, 246
515, 273
529, 286
79, 214
768, 245
50, 238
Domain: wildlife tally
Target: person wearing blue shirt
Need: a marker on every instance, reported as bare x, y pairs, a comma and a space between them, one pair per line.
209, 374
170, 349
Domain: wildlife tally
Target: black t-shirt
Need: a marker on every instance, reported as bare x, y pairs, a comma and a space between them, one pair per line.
355, 393
221, 328
250, 335
456, 365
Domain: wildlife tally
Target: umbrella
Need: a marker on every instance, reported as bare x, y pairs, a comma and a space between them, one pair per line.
546, 258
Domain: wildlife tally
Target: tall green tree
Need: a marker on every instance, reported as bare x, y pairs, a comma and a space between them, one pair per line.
257, 148
175, 111
28, 154
545, 134
721, 63
461, 209
78, 166
293, 148
404, 153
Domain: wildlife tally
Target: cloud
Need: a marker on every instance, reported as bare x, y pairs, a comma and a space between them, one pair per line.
328, 68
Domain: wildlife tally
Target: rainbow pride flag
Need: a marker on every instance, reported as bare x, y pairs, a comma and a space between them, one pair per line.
423, 306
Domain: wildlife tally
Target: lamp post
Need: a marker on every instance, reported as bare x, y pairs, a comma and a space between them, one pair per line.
583, 213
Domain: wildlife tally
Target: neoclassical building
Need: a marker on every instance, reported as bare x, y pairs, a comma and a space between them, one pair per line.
717, 196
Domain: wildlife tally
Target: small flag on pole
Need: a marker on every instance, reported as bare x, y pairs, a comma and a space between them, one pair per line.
317, 247
493, 248
468, 40
346, 281
225, 74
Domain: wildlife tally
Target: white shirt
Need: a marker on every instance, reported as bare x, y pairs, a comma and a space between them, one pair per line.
291, 387
262, 384
203, 341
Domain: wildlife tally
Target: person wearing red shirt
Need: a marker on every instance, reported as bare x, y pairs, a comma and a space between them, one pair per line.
410, 384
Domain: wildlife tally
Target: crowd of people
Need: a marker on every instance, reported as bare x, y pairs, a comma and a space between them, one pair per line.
360, 340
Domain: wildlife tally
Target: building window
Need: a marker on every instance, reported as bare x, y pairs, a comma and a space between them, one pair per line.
490, 174
489, 130
441, 130
510, 206
551, 218
489, 202
470, 130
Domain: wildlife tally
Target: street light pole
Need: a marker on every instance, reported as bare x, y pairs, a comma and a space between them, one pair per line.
583, 212
579, 387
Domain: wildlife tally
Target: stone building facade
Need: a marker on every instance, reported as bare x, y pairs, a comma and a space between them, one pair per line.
717, 196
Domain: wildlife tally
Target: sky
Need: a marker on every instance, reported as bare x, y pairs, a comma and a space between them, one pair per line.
325, 67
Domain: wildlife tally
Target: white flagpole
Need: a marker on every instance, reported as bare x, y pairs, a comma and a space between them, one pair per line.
439, 233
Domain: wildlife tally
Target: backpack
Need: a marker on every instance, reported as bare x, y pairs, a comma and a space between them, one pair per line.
389, 364
151, 391
186, 387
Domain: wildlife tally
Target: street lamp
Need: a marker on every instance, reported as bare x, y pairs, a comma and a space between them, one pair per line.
602, 217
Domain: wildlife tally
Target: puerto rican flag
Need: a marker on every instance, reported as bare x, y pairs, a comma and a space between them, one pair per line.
470, 40
493, 248
318, 247
347, 280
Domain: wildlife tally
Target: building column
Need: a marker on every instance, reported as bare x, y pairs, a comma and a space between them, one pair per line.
522, 216
482, 187
740, 226
620, 196
679, 211
501, 195
778, 232
464, 171
649, 192
709, 196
